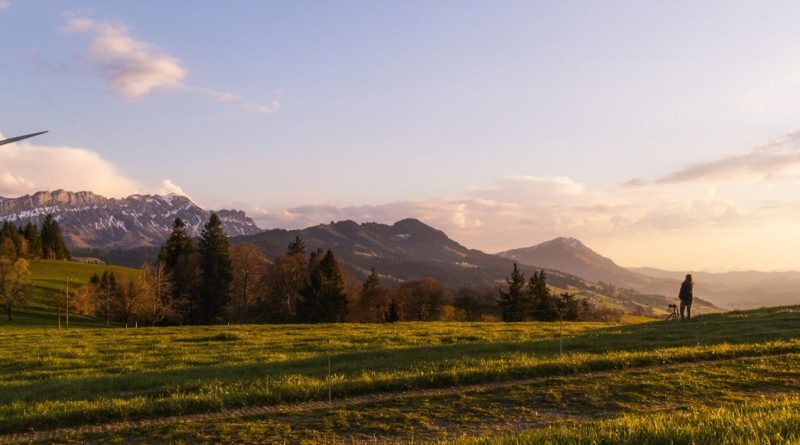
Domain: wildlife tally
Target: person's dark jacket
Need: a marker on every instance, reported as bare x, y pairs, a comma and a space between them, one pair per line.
686, 291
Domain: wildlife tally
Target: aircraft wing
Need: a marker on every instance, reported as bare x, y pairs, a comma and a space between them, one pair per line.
19, 138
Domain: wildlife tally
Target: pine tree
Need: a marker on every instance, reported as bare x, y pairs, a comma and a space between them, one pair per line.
296, 247
181, 263
31, 234
53, 247
324, 297
512, 301
372, 282
10, 232
544, 304
216, 271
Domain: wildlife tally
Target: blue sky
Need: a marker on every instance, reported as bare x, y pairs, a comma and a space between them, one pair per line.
503, 123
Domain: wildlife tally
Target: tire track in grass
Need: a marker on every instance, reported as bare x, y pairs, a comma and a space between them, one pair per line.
255, 411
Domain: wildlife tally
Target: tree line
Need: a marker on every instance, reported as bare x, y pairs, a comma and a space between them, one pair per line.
18, 247
209, 281
528, 300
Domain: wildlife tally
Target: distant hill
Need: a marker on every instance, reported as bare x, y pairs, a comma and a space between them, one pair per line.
91, 221
410, 249
572, 256
733, 290
737, 290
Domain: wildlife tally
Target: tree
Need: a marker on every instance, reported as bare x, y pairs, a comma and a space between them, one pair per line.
157, 303
324, 297
282, 286
9, 232
423, 299
249, 268
216, 271
53, 247
127, 301
513, 301
393, 313
14, 278
83, 302
181, 262
31, 234
545, 306
375, 299
472, 303
105, 293
570, 307
296, 247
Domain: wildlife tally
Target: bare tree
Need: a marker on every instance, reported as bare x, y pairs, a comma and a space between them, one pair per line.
157, 304
249, 269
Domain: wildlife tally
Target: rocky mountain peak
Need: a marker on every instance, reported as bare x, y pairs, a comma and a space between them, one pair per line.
89, 220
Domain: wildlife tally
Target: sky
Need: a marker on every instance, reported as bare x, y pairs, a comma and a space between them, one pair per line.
661, 134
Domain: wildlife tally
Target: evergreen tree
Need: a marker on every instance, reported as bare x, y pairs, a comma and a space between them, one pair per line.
324, 297
374, 302
31, 234
181, 263
216, 271
544, 304
296, 247
9, 232
53, 247
372, 282
512, 301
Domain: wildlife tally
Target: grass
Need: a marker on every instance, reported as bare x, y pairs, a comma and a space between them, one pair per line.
561, 402
50, 378
754, 422
48, 288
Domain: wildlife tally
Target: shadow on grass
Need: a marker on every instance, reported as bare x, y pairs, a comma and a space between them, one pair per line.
433, 363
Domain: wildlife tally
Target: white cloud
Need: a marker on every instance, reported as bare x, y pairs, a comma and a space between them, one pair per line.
26, 168
773, 160
136, 69
49, 168
167, 187
742, 199
15, 185
5, 4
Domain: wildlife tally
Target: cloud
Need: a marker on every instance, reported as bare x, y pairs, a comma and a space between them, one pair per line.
5, 4
524, 210
27, 168
770, 161
168, 187
136, 69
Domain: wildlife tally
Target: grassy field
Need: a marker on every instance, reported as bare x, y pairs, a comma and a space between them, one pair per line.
48, 289
73, 377
632, 382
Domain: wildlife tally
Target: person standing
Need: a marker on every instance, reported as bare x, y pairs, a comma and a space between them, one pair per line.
686, 296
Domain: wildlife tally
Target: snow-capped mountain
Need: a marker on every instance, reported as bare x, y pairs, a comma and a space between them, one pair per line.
92, 221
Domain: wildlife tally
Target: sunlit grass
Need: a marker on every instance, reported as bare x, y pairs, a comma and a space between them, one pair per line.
769, 421
50, 377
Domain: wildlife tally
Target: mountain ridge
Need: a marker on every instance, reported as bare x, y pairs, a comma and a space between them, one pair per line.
409, 250
92, 221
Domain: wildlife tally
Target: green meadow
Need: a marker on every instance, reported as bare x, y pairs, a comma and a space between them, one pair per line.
49, 280
610, 383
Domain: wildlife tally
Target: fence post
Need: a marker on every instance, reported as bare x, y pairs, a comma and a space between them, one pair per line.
330, 401
561, 332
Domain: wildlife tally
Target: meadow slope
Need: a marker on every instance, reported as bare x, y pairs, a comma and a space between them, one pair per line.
90, 376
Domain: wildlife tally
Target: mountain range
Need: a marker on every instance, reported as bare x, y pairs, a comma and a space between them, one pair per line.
128, 231
410, 250
91, 221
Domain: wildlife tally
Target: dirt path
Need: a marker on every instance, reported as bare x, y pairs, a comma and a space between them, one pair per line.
34, 436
